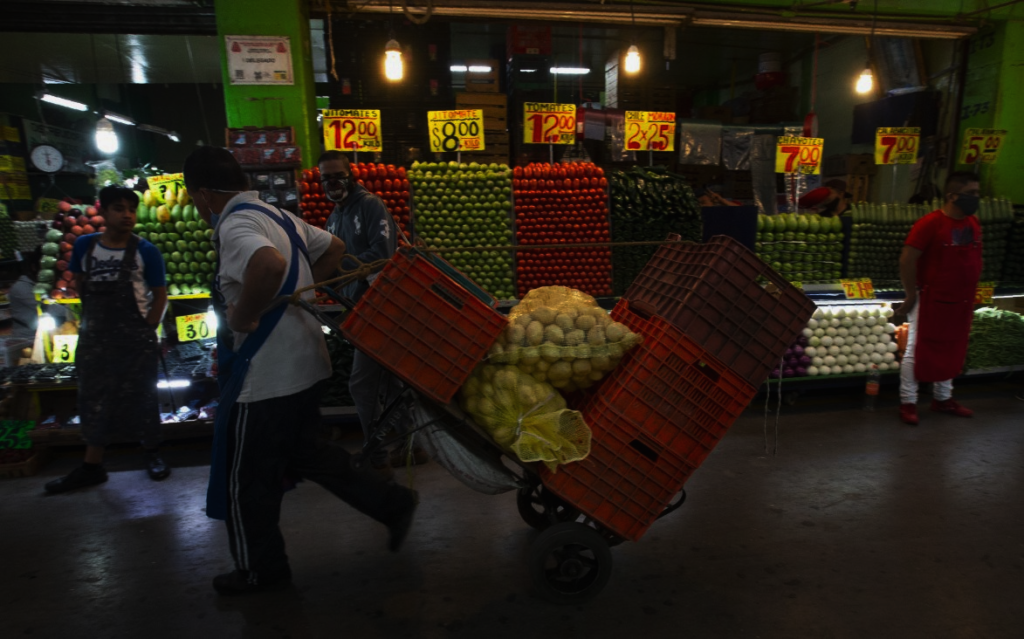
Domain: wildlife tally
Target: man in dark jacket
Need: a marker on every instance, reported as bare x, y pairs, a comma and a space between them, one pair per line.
362, 221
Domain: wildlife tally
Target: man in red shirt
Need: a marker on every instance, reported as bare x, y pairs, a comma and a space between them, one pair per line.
940, 267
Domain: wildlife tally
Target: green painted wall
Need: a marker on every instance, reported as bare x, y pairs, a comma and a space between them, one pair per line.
1005, 175
273, 105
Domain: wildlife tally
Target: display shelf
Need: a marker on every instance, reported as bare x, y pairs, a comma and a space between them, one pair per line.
995, 370
832, 293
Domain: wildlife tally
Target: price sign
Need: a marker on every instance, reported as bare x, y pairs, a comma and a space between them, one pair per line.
982, 146
352, 130
193, 327
64, 347
456, 130
897, 145
650, 131
160, 184
549, 123
798, 155
858, 289
984, 293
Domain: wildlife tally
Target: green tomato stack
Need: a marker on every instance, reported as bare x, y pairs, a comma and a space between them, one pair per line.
879, 232
802, 248
464, 206
996, 218
186, 244
1013, 264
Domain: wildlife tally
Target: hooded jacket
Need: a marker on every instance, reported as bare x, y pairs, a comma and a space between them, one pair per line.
365, 225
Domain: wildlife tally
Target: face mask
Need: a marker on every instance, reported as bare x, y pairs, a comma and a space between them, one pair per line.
968, 203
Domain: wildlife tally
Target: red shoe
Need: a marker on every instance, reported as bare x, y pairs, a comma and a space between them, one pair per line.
908, 414
950, 407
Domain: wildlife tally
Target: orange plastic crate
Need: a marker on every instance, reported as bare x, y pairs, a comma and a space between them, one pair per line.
423, 326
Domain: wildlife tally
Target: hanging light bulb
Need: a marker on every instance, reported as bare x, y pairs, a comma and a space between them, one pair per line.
106, 138
393, 61
632, 59
866, 81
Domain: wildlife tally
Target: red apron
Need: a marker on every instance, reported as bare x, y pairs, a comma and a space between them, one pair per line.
944, 314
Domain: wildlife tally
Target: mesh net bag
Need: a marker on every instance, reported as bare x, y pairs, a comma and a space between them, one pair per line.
524, 416
561, 336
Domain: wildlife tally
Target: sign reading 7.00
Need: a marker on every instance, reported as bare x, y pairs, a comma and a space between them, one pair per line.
352, 130
650, 131
798, 155
896, 145
456, 130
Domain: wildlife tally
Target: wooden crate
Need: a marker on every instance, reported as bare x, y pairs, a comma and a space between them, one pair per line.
477, 82
858, 186
494, 106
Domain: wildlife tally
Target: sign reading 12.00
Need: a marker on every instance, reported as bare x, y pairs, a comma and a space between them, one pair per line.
352, 130
650, 131
798, 155
456, 130
897, 145
549, 123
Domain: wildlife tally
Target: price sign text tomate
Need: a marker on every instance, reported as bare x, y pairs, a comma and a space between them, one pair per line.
650, 131
549, 123
798, 155
897, 145
352, 130
982, 145
456, 130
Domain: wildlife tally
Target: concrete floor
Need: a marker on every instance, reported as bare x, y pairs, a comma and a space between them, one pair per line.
859, 528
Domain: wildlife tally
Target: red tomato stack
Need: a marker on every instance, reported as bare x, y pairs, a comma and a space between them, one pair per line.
389, 184
315, 206
562, 204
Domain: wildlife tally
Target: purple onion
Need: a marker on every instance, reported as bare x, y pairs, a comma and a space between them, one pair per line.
798, 350
802, 341
800, 371
789, 352
774, 374
805, 360
788, 372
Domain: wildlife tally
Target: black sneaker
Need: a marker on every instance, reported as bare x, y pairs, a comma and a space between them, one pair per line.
243, 582
155, 466
403, 522
81, 477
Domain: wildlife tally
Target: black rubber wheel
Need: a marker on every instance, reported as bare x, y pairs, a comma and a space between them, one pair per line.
570, 563
537, 507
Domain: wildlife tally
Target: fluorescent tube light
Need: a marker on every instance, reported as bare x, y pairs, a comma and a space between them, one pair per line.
69, 104
120, 119
458, 68
479, 69
570, 70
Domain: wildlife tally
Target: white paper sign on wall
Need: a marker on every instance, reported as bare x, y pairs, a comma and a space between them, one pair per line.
259, 59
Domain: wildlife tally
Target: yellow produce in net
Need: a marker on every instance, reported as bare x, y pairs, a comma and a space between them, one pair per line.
524, 416
561, 336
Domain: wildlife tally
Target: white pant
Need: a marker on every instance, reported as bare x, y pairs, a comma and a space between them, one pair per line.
908, 382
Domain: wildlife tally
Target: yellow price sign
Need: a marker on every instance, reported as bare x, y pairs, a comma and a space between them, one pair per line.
984, 293
159, 184
798, 155
897, 145
456, 130
549, 123
64, 347
352, 130
982, 145
193, 327
858, 289
650, 131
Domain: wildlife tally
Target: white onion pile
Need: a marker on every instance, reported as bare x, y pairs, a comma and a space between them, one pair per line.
844, 340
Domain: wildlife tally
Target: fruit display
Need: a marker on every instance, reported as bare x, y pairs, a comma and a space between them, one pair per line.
463, 206
997, 339
996, 218
314, 206
183, 238
647, 204
1013, 263
562, 337
802, 248
877, 237
8, 237
842, 341
562, 204
70, 222
389, 184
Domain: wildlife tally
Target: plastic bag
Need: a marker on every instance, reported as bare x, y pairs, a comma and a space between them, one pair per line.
561, 336
524, 416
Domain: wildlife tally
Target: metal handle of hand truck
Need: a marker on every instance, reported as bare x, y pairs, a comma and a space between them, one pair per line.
674, 505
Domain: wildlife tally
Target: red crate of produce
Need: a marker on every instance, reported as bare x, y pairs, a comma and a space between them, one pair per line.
428, 328
722, 296
625, 482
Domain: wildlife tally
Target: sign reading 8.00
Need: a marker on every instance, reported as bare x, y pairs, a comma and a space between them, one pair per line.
456, 130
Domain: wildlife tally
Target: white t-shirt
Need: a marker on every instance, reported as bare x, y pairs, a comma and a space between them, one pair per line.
295, 356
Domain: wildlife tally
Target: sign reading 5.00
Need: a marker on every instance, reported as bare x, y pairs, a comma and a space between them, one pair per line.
897, 145
982, 145
549, 123
456, 130
798, 155
650, 131
352, 130
193, 327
